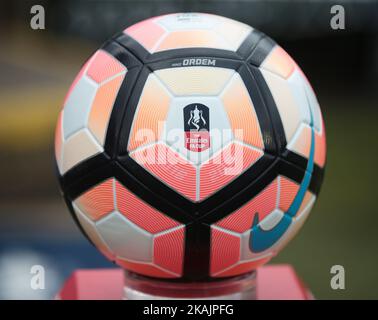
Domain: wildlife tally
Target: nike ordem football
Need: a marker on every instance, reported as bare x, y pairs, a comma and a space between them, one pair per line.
190, 147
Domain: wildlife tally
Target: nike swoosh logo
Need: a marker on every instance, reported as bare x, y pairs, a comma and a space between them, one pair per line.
259, 239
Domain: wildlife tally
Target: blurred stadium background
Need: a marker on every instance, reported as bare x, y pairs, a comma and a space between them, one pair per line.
37, 67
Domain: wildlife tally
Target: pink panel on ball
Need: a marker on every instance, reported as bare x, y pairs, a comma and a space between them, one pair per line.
104, 66
169, 250
225, 250
168, 166
288, 191
225, 166
279, 62
145, 269
147, 33
141, 213
102, 108
98, 201
262, 204
320, 148
243, 267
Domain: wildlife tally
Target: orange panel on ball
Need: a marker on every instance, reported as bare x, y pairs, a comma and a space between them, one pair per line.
225, 166
241, 113
262, 204
194, 81
169, 167
301, 141
288, 191
192, 39
141, 213
279, 62
150, 115
102, 108
98, 201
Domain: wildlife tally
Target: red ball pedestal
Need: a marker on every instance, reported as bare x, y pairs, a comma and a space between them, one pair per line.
275, 282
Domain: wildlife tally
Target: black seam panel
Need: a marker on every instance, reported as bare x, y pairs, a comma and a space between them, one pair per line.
125, 92
269, 102
129, 112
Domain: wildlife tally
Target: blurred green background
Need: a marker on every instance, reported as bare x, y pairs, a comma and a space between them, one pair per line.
37, 67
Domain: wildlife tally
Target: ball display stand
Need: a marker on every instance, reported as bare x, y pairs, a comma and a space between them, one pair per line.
271, 282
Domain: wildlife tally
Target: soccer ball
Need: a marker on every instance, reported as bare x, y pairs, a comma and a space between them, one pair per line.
190, 147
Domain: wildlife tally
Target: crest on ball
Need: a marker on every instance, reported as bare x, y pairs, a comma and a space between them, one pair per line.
196, 126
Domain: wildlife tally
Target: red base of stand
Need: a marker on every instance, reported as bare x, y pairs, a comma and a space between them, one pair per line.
277, 282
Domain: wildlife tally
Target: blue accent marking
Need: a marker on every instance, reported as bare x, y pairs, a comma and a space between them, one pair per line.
259, 239
262, 239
